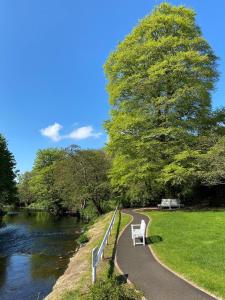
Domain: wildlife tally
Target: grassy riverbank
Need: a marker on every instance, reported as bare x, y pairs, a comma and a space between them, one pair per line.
76, 282
192, 244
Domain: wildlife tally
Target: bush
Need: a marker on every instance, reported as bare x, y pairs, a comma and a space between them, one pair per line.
111, 289
83, 239
109, 205
89, 214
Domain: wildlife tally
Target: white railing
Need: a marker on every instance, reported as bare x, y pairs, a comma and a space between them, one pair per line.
97, 253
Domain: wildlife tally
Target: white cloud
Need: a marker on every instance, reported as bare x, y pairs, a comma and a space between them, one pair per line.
52, 132
81, 133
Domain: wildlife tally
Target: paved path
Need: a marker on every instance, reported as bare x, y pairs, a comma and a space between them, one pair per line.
147, 274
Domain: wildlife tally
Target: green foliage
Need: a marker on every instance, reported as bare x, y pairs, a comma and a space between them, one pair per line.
89, 213
179, 176
213, 164
111, 289
160, 80
83, 238
67, 179
8, 191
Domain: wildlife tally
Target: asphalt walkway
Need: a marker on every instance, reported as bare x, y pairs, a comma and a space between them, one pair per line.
150, 277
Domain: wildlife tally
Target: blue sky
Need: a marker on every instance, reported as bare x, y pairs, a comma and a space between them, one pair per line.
51, 67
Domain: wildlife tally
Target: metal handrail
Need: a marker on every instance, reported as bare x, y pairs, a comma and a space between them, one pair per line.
97, 253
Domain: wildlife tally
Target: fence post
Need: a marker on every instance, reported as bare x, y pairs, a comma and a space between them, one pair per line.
94, 255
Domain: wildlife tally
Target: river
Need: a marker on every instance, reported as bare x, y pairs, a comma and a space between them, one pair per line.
34, 251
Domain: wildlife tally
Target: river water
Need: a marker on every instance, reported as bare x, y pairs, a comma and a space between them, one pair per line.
34, 251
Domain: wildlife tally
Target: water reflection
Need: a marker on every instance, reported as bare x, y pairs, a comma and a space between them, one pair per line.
34, 251
3, 266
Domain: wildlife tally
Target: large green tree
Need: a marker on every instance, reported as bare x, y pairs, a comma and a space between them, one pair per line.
8, 190
160, 80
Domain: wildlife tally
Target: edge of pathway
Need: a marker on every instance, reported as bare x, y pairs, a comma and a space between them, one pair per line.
168, 268
115, 260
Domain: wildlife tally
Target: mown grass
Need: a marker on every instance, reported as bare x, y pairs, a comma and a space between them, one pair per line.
106, 267
192, 244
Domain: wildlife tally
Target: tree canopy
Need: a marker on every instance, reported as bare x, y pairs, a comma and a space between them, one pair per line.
160, 79
67, 179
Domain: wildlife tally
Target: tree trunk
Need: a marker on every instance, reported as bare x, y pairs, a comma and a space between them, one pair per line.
97, 205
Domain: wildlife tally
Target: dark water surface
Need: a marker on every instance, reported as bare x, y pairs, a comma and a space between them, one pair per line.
34, 251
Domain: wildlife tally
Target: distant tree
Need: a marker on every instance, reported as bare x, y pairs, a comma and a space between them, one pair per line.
160, 80
47, 157
8, 191
26, 196
43, 179
67, 179
213, 164
85, 175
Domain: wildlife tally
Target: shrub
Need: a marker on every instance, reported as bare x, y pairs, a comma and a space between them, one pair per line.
83, 238
111, 289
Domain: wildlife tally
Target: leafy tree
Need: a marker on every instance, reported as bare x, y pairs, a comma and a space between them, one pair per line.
37, 188
213, 164
43, 179
47, 157
24, 189
8, 191
84, 173
160, 80
67, 179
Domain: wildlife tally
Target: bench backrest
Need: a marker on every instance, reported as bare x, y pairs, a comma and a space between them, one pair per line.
168, 202
143, 225
165, 202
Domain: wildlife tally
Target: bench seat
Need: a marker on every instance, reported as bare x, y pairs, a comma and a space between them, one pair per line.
170, 203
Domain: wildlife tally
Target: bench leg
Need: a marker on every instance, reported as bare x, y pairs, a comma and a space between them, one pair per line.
134, 241
143, 240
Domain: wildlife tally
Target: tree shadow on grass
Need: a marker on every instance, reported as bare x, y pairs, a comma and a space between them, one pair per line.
153, 239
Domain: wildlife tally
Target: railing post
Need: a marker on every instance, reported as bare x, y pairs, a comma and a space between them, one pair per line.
94, 255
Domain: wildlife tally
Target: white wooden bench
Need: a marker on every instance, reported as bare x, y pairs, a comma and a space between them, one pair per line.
137, 232
170, 203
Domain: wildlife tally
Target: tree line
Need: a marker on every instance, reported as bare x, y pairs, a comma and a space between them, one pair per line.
69, 179
61, 180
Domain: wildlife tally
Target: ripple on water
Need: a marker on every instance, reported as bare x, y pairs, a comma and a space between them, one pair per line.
34, 252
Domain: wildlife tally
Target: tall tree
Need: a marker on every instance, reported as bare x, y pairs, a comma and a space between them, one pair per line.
8, 190
43, 179
160, 80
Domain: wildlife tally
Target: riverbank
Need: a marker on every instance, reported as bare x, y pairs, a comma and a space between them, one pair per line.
76, 280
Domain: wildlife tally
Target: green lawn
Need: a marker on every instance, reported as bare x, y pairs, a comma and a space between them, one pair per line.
192, 244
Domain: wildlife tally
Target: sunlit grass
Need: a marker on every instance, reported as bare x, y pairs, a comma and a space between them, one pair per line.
192, 244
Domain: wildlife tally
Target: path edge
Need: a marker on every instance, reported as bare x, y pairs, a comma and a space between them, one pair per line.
168, 268
115, 260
